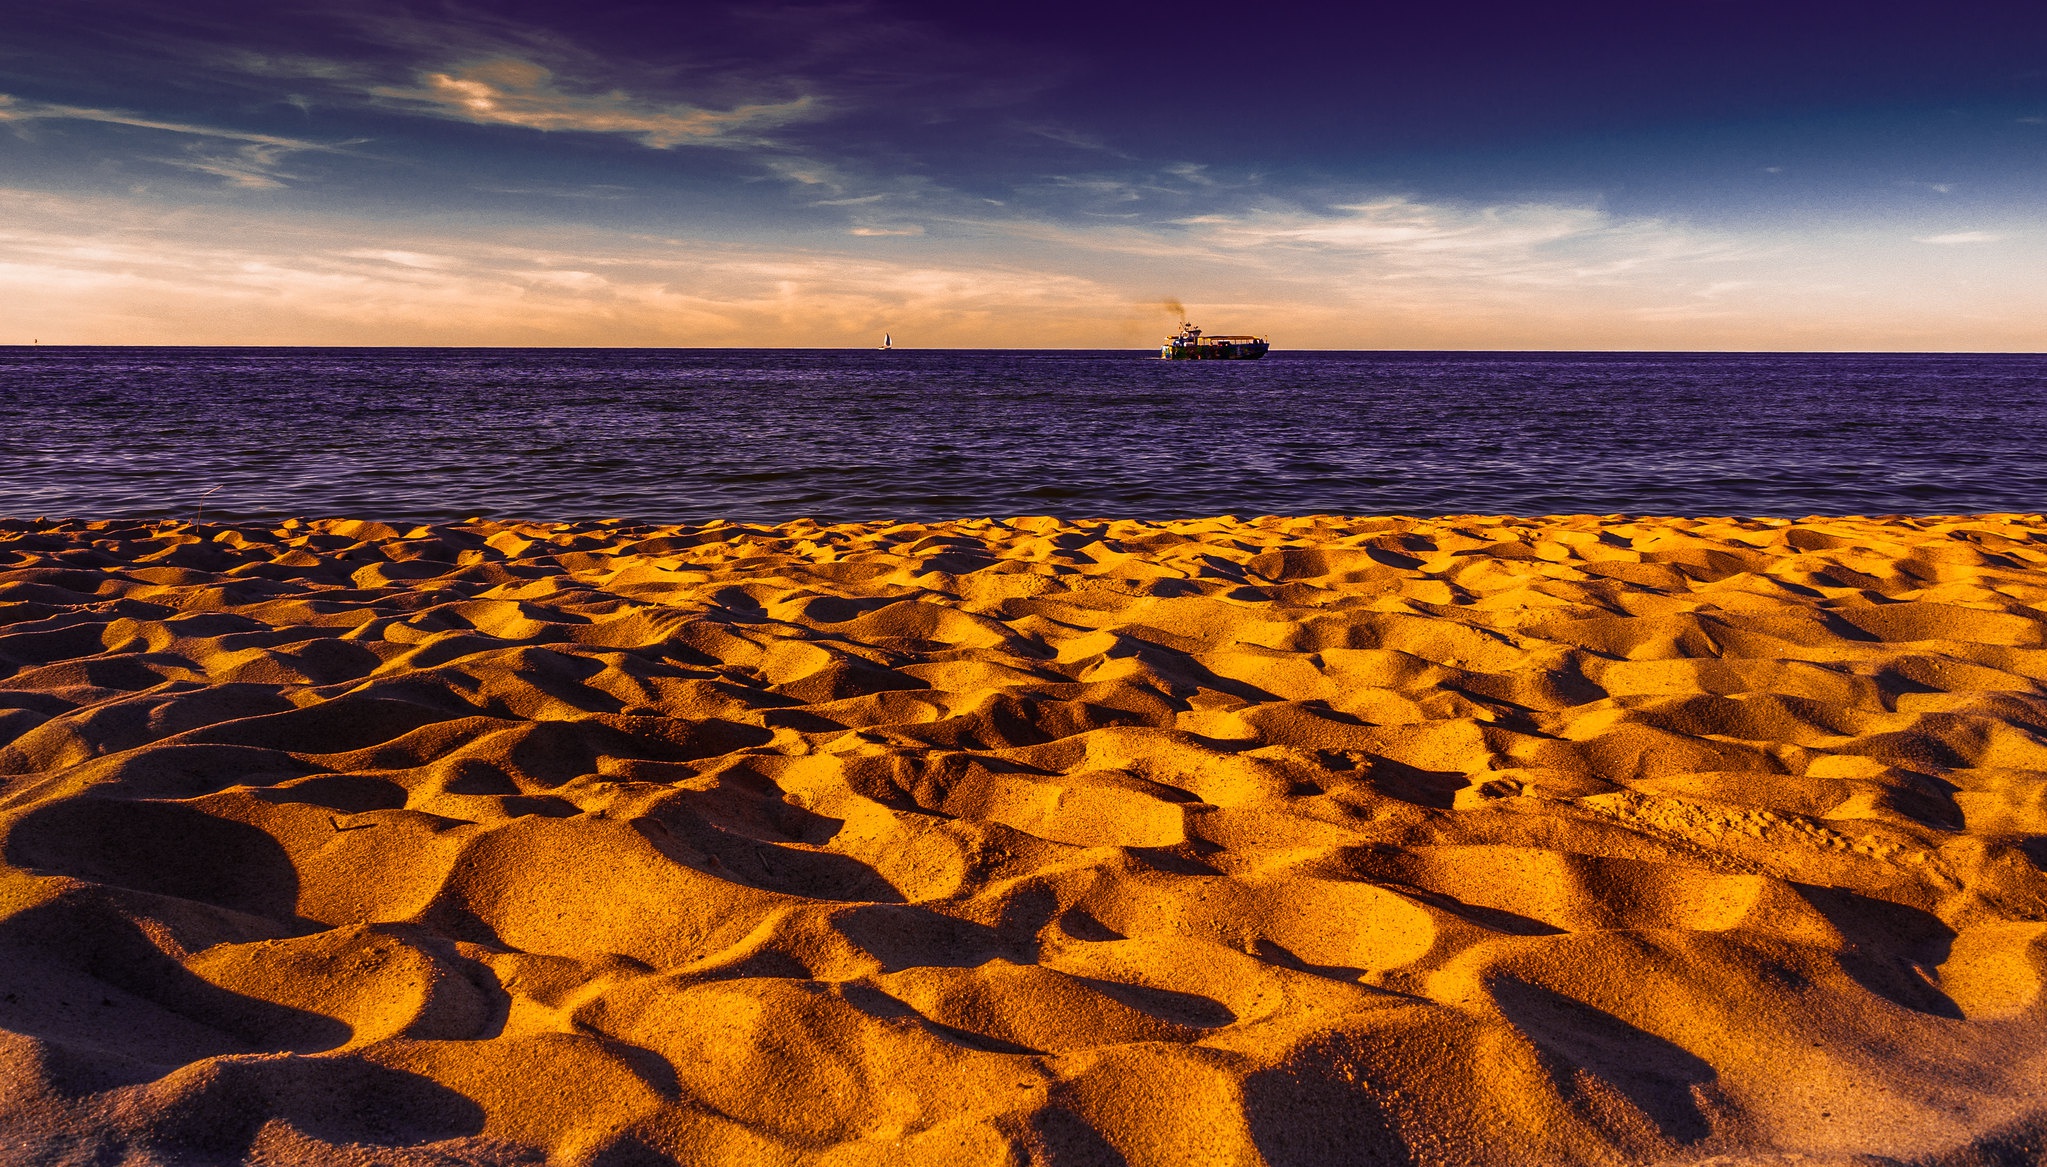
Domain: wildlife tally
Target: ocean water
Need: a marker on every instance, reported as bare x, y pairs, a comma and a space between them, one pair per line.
677, 435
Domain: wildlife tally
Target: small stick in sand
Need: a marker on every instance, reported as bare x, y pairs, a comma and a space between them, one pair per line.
200, 509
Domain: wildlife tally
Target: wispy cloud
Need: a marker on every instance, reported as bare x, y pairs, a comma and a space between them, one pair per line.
510, 91
1067, 136
1381, 273
105, 273
245, 159
1366, 244
254, 166
1959, 237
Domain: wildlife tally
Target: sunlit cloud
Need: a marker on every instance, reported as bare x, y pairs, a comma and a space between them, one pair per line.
806, 171
1401, 225
1367, 245
412, 259
1379, 274
102, 275
1960, 237
509, 91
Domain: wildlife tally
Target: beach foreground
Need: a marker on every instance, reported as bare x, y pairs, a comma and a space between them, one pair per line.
1297, 841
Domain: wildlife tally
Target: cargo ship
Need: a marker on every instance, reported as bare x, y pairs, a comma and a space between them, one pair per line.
1189, 345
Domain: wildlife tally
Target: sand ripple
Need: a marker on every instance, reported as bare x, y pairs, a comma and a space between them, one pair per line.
1297, 841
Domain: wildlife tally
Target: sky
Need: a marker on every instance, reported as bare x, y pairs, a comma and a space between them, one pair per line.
1663, 174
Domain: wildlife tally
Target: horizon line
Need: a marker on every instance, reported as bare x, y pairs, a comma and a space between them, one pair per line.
34, 346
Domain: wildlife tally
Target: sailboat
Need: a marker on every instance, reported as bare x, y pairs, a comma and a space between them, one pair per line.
885, 342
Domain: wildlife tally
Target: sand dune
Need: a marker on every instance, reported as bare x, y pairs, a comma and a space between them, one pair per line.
1289, 841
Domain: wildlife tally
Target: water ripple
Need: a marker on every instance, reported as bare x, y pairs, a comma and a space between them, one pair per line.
772, 434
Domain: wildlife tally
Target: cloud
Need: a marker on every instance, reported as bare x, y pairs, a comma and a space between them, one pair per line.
102, 271
1959, 237
510, 91
13, 109
255, 166
807, 171
1067, 136
1387, 273
1363, 246
242, 158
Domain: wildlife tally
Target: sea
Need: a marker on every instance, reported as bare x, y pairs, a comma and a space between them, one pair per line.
764, 435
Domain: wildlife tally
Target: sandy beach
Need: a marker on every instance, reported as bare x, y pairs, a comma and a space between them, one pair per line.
1292, 841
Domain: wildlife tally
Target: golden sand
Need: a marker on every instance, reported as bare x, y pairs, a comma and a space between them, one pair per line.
1289, 841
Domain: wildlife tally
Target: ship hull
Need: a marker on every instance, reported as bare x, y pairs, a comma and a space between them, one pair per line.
1214, 352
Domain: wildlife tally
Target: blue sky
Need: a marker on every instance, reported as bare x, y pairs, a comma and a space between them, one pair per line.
1699, 174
